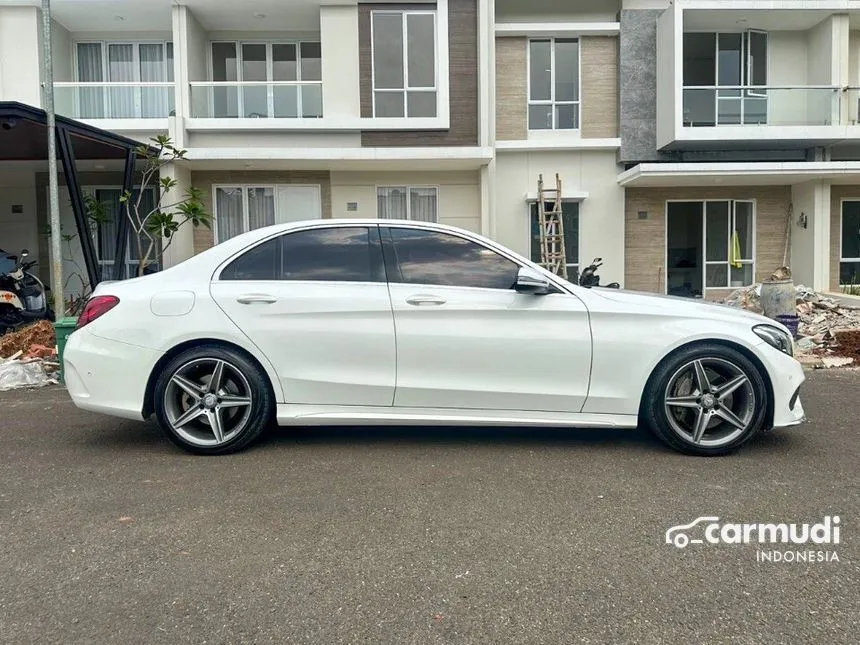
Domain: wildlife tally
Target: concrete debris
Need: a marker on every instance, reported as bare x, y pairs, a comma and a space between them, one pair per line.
30, 357
836, 361
826, 329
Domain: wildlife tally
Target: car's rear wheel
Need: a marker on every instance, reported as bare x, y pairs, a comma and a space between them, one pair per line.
212, 400
705, 400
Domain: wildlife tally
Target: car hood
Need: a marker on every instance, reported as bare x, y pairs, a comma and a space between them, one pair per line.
682, 307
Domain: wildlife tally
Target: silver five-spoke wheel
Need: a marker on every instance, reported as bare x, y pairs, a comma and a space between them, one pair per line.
208, 402
710, 402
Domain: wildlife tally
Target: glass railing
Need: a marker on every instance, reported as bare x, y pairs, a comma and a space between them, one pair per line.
247, 100
115, 100
762, 105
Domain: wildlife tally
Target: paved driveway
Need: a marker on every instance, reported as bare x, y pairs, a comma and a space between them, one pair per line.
111, 535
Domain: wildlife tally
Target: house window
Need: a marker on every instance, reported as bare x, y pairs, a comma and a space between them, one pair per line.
105, 231
710, 245
849, 256
404, 63
553, 84
239, 209
122, 62
725, 78
285, 79
408, 202
570, 224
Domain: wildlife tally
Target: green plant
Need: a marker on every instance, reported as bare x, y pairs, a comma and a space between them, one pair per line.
851, 289
151, 226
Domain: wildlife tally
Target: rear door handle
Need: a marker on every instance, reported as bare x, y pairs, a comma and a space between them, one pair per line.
423, 301
256, 299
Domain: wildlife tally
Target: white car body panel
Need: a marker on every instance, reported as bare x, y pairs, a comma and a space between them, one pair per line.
506, 374
512, 351
330, 343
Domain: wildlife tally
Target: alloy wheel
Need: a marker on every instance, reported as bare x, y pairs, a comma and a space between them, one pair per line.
710, 402
208, 402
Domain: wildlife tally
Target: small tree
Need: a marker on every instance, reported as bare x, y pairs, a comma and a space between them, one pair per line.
161, 222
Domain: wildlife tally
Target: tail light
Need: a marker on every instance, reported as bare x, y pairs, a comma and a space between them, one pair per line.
95, 308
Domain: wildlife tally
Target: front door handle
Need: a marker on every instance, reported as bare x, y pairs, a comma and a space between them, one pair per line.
256, 299
423, 301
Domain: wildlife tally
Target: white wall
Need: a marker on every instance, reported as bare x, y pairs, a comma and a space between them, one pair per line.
339, 38
822, 66
19, 55
601, 214
18, 230
669, 75
853, 75
803, 199
459, 194
182, 246
787, 65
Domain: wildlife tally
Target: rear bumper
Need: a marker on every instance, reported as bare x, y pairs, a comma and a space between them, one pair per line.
107, 376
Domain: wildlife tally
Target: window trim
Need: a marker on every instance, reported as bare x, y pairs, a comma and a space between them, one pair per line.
704, 255
552, 102
405, 13
408, 188
578, 202
841, 254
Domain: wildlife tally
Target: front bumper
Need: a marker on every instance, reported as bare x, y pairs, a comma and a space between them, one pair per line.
107, 376
786, 377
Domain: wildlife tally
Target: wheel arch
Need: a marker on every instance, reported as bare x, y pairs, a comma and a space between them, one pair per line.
745, 351
149, 399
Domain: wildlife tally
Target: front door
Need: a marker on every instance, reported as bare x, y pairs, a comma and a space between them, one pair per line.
316, 305
466, 339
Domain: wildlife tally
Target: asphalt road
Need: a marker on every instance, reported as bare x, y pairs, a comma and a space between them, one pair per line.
112, 535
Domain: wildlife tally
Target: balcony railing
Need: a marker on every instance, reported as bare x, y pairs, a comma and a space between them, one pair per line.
251, 100
115, 100
737, 105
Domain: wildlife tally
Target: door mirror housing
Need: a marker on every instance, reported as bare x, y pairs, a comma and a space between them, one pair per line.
530, 281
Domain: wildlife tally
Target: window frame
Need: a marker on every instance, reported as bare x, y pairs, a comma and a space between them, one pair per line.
279, 206
130, 265
551, 101
404, 13
380, 260
576, 265
842, 257
269, 83
703, 257
169, 74
408, 189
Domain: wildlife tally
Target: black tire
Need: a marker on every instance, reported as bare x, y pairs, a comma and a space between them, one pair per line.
655, 416
261, 404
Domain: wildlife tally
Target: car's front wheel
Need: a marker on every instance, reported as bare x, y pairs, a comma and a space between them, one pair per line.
705, 400
212, 400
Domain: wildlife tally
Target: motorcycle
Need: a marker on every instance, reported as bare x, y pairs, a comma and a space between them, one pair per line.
22, 295
589, 278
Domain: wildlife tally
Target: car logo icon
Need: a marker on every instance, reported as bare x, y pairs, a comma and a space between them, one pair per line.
677, 534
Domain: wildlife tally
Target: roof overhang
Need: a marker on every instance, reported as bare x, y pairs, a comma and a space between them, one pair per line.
739, 174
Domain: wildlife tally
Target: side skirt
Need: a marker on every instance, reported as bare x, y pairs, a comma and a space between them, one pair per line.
303, 415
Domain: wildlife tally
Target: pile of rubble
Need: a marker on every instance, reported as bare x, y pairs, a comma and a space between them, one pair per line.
828, 330
28, 357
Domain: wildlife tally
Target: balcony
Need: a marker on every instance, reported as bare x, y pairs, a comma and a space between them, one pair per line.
756, 106
253, 100
115, 101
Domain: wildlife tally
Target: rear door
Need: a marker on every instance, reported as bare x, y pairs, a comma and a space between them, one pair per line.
315, 302
467, 339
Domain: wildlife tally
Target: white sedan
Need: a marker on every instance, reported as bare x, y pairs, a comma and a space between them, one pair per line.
400, 322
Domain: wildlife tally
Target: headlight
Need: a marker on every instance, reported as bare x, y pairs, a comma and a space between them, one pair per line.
775, 337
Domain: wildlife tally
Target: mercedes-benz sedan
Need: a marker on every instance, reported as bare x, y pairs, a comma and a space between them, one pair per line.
400, 322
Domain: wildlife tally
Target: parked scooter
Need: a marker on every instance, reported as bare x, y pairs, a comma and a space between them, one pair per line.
22, 294
589, 278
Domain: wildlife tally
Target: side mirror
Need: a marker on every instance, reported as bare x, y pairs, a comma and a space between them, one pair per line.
530, 281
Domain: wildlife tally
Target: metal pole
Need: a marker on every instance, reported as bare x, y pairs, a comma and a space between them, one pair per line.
54, 204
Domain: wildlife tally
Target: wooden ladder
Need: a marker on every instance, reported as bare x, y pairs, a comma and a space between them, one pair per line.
550, 221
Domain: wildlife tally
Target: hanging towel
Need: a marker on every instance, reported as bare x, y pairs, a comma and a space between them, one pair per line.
736, 251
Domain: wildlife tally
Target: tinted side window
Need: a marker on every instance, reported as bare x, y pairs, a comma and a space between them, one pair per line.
430, 257
260, 263
343, 254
